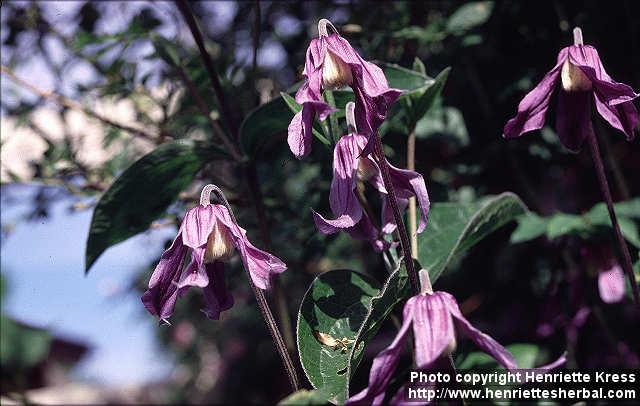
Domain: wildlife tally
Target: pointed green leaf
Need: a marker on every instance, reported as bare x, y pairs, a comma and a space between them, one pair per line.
143, 193
343, 304
454, 228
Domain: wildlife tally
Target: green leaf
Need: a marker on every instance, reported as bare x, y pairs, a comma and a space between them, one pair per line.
167, 50
305, 397
143, 193
561, 224
454, 228
336, 304
469, 16
425, 101
418, 66
526, 355
403, 78
357, 310
443, 121
21, 347
530, 226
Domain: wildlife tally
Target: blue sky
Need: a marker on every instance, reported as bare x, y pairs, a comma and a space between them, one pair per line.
43, 261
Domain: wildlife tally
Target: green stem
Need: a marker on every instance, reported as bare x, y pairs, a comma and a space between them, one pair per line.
333, 120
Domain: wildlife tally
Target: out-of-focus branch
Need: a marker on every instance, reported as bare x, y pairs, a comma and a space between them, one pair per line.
72, 104
184, 8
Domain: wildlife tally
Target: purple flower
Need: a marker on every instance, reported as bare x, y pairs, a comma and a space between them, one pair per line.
210, 234
580, 77
611, 280
611, 284
332, 63
435, 317
350, 170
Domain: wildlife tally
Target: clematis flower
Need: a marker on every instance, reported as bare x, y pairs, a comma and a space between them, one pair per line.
351, 168
611, 284
332, 63
611, 281
580, 78
210, 234
435, 317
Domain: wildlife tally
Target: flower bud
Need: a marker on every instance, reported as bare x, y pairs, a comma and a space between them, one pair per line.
574, 79
335, 72
366, 169
220, 246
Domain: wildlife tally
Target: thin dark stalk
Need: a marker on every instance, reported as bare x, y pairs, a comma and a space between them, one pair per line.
265, 234
397, 216
189, 18
266, 311
604, 187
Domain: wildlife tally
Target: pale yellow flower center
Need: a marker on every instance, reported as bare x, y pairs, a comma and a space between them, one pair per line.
336, 73
219, 244
574, 79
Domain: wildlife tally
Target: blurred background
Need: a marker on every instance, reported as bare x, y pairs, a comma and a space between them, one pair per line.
87, 89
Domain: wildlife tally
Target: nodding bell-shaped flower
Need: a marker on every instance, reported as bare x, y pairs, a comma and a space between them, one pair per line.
435, 318
611, 281
332, 63
352, 168
210, 234
581, 79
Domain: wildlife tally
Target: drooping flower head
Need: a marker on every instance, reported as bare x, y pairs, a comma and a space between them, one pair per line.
611, 281
581, 79
351, 169
210, 234
435, 318
332, 63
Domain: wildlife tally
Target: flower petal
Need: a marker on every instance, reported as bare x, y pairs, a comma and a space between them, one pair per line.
609, 91
432, 327
197, 225
384, 364
342, 198
216, 296
160, 298
533, 108
372, 92
623, 117
482, 340
260, 264
573, 118
195, 274
410, 183
300, 130
611, 284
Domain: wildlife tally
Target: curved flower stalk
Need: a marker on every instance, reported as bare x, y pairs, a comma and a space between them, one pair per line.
209, 233
435, 318
351, 169
332, 63
581, 78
